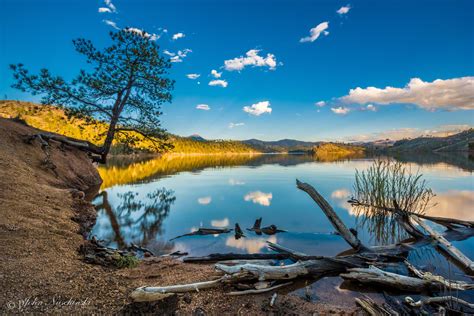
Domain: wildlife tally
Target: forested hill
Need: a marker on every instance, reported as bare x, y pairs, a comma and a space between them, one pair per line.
284, 145
54, 119
456, 142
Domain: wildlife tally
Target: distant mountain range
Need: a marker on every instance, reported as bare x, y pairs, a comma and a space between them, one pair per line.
456, 142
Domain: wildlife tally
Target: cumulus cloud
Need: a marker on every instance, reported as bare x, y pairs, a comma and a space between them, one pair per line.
178, 36
232, 125
220, 223
315, 32
410, 132
109, 7
216, 74
253, 59
204, 200
259, 197
320, 103
452, 94
218, 83
151, 37
111, 23
204, 107
344, 10
178, 56
341, 110
193, 76
259, 108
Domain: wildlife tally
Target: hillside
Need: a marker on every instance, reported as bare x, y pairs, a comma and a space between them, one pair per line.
457, 142
332, 151
283, 145
54, 119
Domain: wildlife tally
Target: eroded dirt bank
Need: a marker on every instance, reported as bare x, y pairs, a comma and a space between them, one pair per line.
41, 269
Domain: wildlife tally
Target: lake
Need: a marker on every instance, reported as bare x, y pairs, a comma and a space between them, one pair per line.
149, 202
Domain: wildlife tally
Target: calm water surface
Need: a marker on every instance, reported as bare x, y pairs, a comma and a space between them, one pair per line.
150, 202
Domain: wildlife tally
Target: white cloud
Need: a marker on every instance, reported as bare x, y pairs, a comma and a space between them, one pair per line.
251, 58
178, 56
410, 132
193, 76
259, 108
454, 94
259, 197
216, 74
204, 200
315, 32
178, 36
220, 223
104, 10
151, 37
109, 7
344, 10
109, 4
232, 125
204, 107
111, 23
219, 83
341, 110
320, 103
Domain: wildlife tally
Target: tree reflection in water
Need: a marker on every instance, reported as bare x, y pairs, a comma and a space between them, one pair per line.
134, 220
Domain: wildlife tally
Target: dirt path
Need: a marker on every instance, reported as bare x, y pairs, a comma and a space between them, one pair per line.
41, 269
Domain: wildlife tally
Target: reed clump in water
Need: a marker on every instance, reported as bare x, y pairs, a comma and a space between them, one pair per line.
384, 186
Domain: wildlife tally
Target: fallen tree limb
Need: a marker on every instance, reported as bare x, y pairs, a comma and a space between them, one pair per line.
437, 300
76, 143
205, 231
149, 293
374, 275
259, 291
348, 236
454, 285
446, 246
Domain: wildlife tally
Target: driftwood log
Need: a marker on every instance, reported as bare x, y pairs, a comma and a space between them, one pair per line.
205, 231
356, 265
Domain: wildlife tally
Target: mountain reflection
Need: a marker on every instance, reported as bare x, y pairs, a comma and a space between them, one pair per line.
134, 220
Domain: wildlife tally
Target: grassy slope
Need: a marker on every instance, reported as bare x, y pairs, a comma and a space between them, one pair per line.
53, 119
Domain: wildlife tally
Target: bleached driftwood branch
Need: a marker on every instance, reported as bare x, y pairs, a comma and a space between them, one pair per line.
374, 275
448, 247
437, 300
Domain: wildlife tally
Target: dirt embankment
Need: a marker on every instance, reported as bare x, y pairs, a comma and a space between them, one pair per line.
41, 269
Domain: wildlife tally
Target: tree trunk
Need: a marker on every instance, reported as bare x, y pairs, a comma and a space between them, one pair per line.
109, 139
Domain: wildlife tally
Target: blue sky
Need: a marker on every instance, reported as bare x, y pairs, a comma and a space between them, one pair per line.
369, 44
